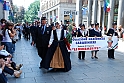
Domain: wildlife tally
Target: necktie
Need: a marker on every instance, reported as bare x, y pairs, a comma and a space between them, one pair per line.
42, 30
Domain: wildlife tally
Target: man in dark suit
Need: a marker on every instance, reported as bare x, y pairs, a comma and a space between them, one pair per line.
112, 32
32, 29
41, 38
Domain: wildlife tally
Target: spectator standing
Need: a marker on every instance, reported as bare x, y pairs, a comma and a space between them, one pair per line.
8, 34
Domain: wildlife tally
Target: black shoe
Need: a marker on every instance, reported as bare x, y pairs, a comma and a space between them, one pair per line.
96, 57
109, 57
113, 58
92, 57
83, 59
40, 67
79, 58
44, 70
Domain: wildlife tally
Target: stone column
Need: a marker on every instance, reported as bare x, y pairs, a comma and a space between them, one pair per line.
56, 14
120, 14
99, 12
103, 20
111, 14
6, 14
94, 16
78, 18
1, 9
89, 13
60, 14
48, 17
53, 16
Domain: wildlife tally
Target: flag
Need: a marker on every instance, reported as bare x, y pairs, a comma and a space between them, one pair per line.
107, 5
6, 6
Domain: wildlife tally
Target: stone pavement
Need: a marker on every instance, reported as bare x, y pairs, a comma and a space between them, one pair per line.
103, 70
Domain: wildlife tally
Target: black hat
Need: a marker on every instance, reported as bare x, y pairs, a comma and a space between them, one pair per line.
52, 24
82, 25
114, 23
43, 18
56, 23
96, 24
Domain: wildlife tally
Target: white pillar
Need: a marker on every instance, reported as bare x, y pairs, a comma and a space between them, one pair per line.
48, 17
60, 14
53, 16
103, 20
94, 16
120, 14
89, 13
99, 12
56, 14
6, 15
78, 18
111, 14
1, 9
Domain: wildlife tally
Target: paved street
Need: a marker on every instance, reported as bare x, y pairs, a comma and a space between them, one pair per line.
103, 70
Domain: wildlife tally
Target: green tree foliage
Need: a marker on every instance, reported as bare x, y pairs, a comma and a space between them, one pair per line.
32, 12
18, 13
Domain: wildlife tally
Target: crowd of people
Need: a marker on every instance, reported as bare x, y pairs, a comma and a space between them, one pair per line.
52, 47
9, 34
51, 43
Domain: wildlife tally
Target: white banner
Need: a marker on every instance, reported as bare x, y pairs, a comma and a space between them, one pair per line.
94, 43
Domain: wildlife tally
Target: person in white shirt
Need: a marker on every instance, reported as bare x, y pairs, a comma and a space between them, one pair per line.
57, 56
8, 34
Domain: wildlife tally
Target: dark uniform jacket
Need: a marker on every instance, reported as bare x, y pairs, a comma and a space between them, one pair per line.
112, 31
91, 32
80, 33
97, 33
42, 40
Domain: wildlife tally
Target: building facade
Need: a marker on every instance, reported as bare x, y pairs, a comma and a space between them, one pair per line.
1, 10
58, 10
96, 12
6, 9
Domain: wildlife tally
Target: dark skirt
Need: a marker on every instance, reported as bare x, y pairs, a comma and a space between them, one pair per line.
50, 54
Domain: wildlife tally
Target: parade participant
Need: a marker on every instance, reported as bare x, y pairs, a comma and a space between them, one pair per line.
57, 56
27, 31
41, 38
112, 32
91, 31
32, 29
82, 33
97, 33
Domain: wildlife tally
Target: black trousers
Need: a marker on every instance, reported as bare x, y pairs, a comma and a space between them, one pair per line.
81, 54
3, 78
42, 53
27, 35
111, 53
8, 70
